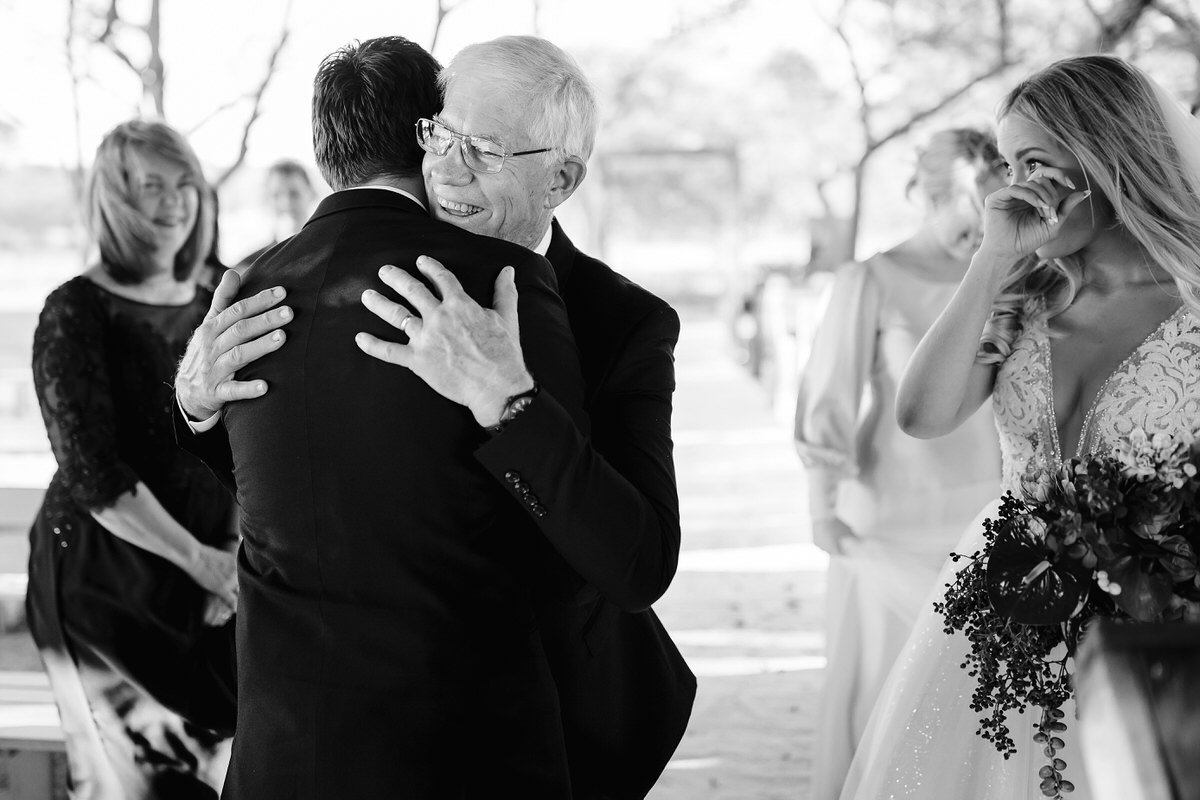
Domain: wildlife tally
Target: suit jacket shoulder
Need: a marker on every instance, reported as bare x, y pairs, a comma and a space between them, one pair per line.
613, 319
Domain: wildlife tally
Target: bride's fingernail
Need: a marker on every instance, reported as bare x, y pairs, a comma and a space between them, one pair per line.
1068, 182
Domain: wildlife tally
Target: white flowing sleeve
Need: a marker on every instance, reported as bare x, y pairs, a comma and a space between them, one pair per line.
829, 403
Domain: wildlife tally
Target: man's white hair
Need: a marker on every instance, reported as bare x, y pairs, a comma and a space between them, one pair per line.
560, 100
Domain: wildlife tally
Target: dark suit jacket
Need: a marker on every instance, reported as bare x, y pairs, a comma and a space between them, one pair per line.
611, 506
387, 643
612, 510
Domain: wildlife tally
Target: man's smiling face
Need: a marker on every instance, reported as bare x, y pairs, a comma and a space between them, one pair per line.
512, 204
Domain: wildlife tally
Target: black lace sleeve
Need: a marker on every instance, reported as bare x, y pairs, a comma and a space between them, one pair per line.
75, 394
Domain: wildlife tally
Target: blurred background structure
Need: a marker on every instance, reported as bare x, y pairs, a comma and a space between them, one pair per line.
746, 148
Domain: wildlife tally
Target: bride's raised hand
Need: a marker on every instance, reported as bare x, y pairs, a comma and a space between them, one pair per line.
1023, 216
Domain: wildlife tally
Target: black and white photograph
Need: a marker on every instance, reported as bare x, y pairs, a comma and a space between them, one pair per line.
638, 400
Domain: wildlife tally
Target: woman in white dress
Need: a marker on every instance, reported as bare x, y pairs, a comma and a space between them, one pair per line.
886, 506
1078, 317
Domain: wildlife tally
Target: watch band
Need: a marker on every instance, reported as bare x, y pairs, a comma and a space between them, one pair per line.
513, 407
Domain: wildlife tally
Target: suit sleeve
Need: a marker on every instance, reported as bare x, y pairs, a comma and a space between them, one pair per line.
211, 447
608, 502
546, 339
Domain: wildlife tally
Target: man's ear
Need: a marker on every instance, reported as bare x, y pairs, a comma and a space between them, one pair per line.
565, 181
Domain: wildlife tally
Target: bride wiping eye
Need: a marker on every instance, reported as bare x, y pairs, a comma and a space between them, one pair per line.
1032, 166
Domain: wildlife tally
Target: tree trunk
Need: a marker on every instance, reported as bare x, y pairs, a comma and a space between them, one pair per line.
153, 76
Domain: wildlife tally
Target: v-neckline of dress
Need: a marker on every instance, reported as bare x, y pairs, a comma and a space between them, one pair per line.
1089, 417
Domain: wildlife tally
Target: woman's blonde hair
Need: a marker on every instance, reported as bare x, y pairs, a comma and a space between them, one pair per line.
124, 234
1107, 114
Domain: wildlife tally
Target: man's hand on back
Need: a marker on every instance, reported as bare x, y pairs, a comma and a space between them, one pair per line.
230, 337
465, 352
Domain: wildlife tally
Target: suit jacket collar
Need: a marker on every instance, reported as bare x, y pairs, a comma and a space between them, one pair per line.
366, 198
561, 255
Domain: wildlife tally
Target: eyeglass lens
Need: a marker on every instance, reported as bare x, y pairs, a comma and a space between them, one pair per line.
479, 153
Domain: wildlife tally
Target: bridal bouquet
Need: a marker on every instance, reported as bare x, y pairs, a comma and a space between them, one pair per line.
1112, 535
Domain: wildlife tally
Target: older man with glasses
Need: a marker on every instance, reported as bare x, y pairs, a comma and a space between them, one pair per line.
523, 117
509, 146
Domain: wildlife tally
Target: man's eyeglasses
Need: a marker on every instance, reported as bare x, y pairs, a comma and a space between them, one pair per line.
480, 153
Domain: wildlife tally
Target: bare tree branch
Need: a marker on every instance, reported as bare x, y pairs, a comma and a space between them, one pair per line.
866, 110
1120, 23
864, 104
218, 111
636, 68
1095, 12
1189, 28
935, 107
73, 71
154, 76
257, 96
1004, 34
1188, 24
151, 74
111, 18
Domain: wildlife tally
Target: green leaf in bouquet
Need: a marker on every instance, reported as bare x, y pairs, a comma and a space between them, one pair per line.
1179, 559
1030, 584
1189, 529
1143, 595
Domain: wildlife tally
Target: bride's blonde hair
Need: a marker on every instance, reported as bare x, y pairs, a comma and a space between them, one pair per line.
1108, 115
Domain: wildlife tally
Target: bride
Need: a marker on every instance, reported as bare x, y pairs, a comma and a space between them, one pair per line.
1080, 317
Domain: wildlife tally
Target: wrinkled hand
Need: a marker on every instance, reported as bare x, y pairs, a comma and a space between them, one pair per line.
216, 572
1021, 217
831, 535
230, 337
465, 352
216, 611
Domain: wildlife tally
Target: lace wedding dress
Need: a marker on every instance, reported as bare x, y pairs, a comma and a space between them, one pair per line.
921, 740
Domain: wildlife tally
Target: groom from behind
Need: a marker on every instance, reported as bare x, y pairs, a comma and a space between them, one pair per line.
386, 637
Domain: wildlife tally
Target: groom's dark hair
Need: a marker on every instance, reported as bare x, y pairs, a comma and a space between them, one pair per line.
367, 99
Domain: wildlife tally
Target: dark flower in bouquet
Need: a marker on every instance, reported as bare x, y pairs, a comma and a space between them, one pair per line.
1106, 536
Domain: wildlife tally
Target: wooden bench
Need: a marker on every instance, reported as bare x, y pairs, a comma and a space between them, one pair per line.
33, 764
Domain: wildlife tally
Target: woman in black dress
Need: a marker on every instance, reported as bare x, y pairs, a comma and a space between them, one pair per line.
132, 579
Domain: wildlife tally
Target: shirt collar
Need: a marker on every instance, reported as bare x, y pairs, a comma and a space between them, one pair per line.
409, 195
541, 248
544, 245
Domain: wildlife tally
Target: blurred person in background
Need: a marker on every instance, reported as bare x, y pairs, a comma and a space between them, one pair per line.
132, 584
885, 506
291, 197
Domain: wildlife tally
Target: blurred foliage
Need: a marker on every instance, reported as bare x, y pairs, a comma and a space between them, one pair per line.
796, 119
748, 119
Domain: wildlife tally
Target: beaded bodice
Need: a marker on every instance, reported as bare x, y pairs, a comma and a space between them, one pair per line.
1156, 388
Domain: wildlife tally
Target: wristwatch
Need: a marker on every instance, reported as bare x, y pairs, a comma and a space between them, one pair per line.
513, 407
